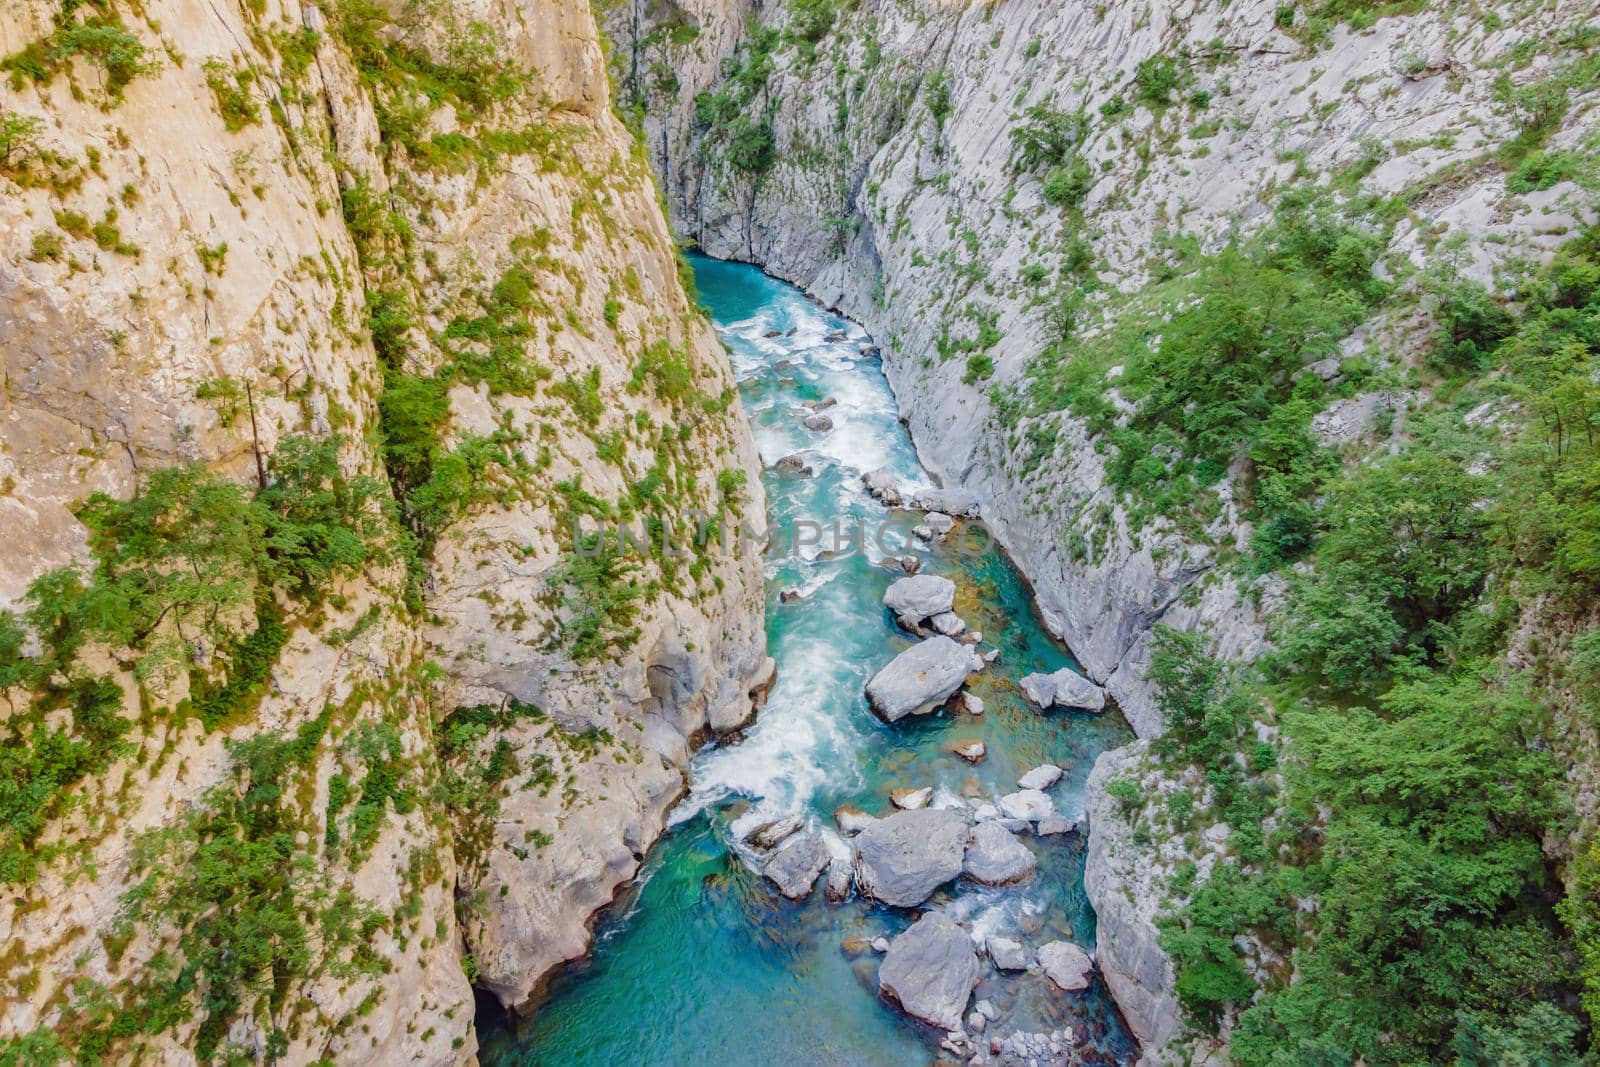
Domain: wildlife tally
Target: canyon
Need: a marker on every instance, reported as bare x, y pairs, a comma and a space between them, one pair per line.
328, 329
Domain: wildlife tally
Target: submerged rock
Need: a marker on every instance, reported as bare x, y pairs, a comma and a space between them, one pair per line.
1041, 777
1067, 965
919, 597
902, 859
931, 970
1065, 688
796, 866
995, 857
1007, 955
971, 751
921, 678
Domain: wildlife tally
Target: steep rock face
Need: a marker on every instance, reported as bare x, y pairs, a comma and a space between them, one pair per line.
898, 134
250, 235
893, 123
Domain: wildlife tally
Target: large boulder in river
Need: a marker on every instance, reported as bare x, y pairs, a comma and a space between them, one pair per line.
795, 866
931, 970
921, 678
902, 859
884, 485
919, 597
994, 857
1065, 688
1028, 805
1067, 965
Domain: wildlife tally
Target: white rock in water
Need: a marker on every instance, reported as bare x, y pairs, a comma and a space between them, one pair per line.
920, 678
1065, 688
911, 799
972, 751
1056, 824
948, 623
902, 859
772, 834
880, 945
1067, 965
919, 597
884, 485
972, 705
994, 857
931, 970
841, 876
1041, 777
1007, 955
795, 866
1029, 805
853, 822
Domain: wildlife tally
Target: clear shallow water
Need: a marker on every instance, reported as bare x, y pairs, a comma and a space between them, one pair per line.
701, 960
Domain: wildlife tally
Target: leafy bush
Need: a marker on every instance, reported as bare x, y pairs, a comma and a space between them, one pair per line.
1155, 79
1067, 184
231, 88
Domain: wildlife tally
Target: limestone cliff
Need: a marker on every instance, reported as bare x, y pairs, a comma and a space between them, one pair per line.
347, 312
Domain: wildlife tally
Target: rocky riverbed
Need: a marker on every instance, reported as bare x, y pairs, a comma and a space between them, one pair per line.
888, 866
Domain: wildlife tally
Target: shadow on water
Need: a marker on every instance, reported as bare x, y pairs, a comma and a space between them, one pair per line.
699, 959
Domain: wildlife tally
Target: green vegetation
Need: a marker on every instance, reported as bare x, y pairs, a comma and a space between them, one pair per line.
100, 40
1420, 780
231, 88
185, 565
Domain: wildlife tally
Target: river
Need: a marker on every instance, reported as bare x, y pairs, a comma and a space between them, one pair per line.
701, 961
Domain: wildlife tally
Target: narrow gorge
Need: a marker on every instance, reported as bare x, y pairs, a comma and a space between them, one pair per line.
1172, 425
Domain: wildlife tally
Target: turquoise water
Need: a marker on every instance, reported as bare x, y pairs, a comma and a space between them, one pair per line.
700, 960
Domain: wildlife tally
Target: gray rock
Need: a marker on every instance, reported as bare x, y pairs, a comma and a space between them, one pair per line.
1041, 777
1007, 955
905, 564
977, 1022
911, 799
1055, 824
884, 485
986, 1009
920, 678
902, 859
795, 866
1067, 965
970, 704
931, 970
935, 525
953, 501
1028, 804
948, 623
971, 751
793, 463
841, 876
880, 945
921, 596
820, 405
1065, 688
819, 423
985, 811
853, 822
772, 834
994, 857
